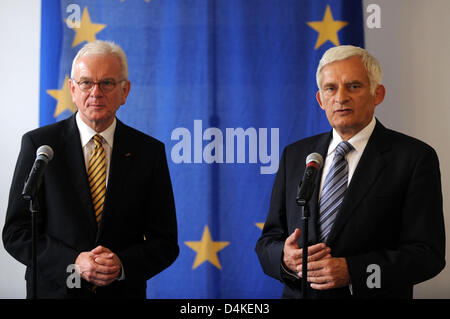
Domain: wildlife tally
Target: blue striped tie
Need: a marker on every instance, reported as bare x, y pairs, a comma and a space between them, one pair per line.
333, 190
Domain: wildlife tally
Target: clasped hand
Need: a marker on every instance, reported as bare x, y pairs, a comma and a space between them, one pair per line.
99, 266
324, 271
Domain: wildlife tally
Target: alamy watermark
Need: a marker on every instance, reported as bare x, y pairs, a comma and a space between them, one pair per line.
74, 17
74, 279
374, 279
373, 20
235, 145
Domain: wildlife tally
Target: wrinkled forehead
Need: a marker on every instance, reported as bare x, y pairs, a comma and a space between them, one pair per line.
97, 67
348, 70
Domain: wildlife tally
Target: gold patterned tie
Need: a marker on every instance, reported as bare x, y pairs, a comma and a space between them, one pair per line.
97, 177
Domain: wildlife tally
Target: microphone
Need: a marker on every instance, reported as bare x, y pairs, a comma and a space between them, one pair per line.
44, 154
314, 163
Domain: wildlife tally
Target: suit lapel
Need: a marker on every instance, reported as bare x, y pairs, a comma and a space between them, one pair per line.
367, 171
321, 147
120, 160
76, 169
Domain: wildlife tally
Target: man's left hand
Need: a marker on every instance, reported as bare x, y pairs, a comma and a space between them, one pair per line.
328, 273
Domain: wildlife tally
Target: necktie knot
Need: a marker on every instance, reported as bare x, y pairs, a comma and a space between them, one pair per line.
97, 140
343, 148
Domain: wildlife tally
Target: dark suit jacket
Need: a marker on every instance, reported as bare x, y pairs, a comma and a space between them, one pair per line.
138, 222
391, 216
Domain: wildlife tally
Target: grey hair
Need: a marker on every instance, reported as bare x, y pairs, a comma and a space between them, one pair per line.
103, 48
373, 68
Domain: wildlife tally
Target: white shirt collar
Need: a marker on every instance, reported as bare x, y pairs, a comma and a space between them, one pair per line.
86, 132
358, 141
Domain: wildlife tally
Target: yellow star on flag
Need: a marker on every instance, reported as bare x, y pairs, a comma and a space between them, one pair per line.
63, 97
327, 28
260, 225
206, 249
87, 30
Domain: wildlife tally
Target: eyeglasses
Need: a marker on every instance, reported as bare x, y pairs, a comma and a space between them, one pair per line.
104, 85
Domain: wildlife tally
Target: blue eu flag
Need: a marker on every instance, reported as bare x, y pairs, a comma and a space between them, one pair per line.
225, 84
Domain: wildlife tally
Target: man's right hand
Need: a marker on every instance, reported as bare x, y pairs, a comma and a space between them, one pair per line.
292, 253
99, 274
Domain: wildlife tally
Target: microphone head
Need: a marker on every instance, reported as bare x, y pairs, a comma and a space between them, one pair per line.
315, 158
45, 153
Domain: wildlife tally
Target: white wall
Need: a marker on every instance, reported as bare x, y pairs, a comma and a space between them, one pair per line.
20, 22
413, 48
412, 45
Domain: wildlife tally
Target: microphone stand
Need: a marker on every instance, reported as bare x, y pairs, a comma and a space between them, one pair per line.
305, 190
30, 192
34, 209
305, 219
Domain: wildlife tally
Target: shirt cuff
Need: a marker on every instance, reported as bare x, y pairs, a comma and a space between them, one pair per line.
122, 275
289, 272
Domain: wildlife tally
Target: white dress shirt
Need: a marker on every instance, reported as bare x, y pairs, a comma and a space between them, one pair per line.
359, 143
88, 145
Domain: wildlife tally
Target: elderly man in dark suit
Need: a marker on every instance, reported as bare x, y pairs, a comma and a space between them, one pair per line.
376, 226
106, 201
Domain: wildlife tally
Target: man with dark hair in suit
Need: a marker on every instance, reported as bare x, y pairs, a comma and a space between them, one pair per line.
376, 209
106, 200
